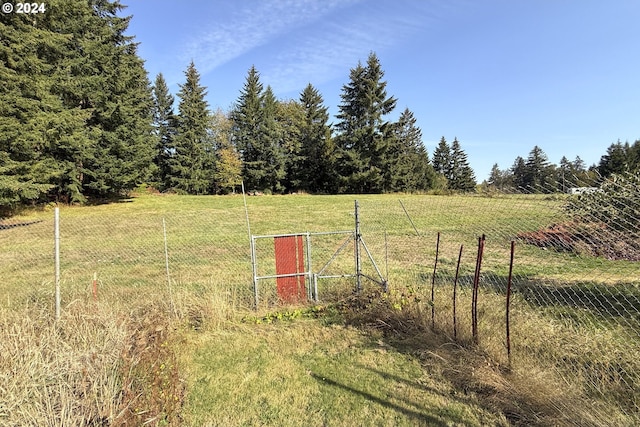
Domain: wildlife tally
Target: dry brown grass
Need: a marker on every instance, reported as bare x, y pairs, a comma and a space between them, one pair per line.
60, 373
105, 362
527, 391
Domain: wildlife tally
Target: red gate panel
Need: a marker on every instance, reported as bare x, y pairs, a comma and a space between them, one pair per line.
290, 260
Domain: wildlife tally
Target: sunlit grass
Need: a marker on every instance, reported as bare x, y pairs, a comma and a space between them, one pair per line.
304, 373
574, 317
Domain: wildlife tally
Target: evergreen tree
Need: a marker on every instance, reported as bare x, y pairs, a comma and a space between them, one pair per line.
616, 160
32, 118
462, 177
114, 85
164, 122
539, 172
410, 167
442, 159
317, 173
75, 105
192, 162
271, 140
246, 117
363, 134
572, 174
634, 156
519, 172
499, 179
565, 174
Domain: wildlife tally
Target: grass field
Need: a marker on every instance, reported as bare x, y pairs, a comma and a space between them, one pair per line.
184, 346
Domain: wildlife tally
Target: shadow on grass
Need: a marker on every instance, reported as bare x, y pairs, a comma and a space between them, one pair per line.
619, 303
110, 200
621, 300
5, 226
416, 415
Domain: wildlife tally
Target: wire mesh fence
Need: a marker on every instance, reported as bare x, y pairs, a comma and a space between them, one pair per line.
573, 288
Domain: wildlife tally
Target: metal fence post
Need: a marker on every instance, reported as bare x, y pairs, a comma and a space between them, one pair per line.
56, 250
357, 250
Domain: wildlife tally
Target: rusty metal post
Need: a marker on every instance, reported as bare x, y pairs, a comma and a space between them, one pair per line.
513, 244
433, 284
476, 283
358, 239
455, 290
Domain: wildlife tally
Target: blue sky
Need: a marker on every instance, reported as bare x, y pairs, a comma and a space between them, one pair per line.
500, 75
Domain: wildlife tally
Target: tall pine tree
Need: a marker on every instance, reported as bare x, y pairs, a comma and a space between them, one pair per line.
539, 173
116, 89
363, 133
164, 122
192, 163
500, 179
271, 140
32, 117
462, 177
318, 149
442, 159
519, 173
75, 119
246, 117
616, 160
410, 168
290, 118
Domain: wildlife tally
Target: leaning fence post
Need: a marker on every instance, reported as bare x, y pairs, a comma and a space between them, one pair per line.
56, 250
433, 284
474, 298
455, 290
252, 248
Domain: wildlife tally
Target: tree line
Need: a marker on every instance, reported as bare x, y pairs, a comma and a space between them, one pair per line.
80, 121
537, 174
279, 146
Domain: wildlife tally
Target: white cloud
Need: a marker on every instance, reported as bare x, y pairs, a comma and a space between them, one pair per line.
254, 25
332, 48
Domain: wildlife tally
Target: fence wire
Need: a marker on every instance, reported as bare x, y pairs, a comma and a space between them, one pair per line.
575, 287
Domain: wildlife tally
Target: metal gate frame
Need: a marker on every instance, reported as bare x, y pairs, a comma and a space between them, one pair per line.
312, 282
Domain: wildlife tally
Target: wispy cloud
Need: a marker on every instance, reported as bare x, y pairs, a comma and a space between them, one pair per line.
252, 26
334, 47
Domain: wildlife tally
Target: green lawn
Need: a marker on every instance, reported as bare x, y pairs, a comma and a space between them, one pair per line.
568, 311
306, 373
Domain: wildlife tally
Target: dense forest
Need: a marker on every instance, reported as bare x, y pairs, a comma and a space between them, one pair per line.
80, 120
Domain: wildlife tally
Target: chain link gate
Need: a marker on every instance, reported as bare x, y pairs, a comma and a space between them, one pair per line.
292, 266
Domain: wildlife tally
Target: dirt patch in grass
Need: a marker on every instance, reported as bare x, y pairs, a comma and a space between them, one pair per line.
593, 239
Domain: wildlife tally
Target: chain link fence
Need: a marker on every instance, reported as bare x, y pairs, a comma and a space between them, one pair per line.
573, 287
567, 308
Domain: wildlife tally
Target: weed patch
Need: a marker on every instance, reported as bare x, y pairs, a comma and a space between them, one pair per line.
152, 390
